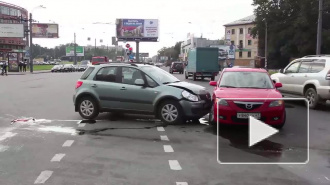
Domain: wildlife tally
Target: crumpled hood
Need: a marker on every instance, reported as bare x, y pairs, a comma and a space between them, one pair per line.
197, 89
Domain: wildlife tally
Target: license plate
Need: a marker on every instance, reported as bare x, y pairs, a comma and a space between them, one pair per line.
247, 115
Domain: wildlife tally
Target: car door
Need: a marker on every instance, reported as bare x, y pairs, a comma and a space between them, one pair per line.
137, 97
107, 86
288, 78
302, 76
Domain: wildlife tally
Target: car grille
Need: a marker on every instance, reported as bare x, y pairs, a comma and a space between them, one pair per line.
239, 120
248, 105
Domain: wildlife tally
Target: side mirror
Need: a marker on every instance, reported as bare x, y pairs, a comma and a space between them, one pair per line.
213, 83
281, 71
139, 82
278, 85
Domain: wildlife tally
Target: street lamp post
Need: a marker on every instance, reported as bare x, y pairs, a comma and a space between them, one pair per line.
266, 45
31, 43
319, 29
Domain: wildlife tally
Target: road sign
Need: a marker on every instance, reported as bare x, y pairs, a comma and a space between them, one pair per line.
127, 45
70, 51
27, 53
259, 131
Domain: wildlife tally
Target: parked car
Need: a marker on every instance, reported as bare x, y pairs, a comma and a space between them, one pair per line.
82, 68
56, 68
76, 68
176, 67
159, 64
67, 68
139, 88
239, 99
307, 77
85, 63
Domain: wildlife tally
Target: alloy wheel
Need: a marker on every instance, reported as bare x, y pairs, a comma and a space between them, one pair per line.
87, 108
169, 113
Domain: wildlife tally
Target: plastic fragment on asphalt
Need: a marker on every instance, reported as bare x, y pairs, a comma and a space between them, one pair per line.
30, 121
3, 148
59, 129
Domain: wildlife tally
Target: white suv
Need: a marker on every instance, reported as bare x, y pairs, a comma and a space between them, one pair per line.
307, 77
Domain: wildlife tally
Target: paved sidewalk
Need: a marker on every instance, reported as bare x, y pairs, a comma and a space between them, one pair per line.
28, 72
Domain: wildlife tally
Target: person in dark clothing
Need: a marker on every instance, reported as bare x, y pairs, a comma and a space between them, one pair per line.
24, 66
4, 68
20, 66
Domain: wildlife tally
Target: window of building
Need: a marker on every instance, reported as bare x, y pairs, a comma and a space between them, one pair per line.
249, 30
5, 10
241, 44
19, 13
249, 42
241, 31
240, 54
233, 31
249, 54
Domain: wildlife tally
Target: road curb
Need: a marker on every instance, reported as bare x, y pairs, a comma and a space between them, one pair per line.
29, 73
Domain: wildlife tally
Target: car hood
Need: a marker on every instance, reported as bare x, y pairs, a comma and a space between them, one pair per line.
247, 93
196, 89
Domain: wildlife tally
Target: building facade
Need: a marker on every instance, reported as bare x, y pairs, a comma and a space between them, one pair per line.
12, 14
238, 34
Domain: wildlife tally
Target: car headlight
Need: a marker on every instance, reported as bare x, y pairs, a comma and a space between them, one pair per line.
222, 102
276, 103
189, 96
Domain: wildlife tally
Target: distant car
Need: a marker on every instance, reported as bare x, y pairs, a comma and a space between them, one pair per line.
67, 68
158, 64
177, 67
139, 88
56, 68
85, 63
262, 99
82, 68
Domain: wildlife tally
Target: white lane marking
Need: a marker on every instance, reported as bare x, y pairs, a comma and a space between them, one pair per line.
43, 177
181, 183
168, 148
68, 143
164, 138
203, 121
7, 135
82, 125
174, 165
57, 158
160, 129
79, 122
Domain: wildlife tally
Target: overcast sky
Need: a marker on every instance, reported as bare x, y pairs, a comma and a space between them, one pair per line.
206, 16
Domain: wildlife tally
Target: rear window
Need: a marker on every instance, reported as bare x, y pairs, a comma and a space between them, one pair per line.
87, 73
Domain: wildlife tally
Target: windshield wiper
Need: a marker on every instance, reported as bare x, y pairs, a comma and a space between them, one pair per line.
227, 86
171, 82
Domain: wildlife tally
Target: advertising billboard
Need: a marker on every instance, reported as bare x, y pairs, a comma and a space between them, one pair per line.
12, 30
226, 52
45, 30
69, 51
137, 29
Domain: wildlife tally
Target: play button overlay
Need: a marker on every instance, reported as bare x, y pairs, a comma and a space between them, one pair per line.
259, 131
262, 138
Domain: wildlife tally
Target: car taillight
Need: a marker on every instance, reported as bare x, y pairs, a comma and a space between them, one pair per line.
327, 77
79, 84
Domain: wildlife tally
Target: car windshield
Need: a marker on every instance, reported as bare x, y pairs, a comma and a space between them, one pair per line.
159, 74
254, 80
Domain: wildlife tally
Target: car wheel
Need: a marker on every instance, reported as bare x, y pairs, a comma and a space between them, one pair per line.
170, 112
312, 97
211, 116
194, 77
88, 108
186, 75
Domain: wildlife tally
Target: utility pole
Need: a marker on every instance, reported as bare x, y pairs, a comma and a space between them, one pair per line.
31, 45
95, 48
75, 50
137, 51
266, 45
319, 29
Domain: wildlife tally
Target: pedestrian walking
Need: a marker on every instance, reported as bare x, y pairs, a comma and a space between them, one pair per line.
4, 68
24, 65
20, 66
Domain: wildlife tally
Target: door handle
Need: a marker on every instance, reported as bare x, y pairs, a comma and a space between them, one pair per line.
94, 85
123, 88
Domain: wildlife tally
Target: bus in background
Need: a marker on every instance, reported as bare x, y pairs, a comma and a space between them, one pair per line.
99, 60
120, 59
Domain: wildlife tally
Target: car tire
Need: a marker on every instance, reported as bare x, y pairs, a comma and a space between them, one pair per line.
312, 97
211, 116
186, 75
90, 104
165, 108
194, 77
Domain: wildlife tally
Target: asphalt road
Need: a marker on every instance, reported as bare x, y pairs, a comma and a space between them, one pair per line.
54, 149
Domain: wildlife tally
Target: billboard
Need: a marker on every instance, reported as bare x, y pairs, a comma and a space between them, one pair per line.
226, 52
137, 29
144, 54
44, 30
12, 30
69, 51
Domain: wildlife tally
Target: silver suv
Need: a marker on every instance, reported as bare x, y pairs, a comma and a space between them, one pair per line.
307, 77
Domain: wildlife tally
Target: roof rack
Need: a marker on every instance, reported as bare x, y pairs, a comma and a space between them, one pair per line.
308, 56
